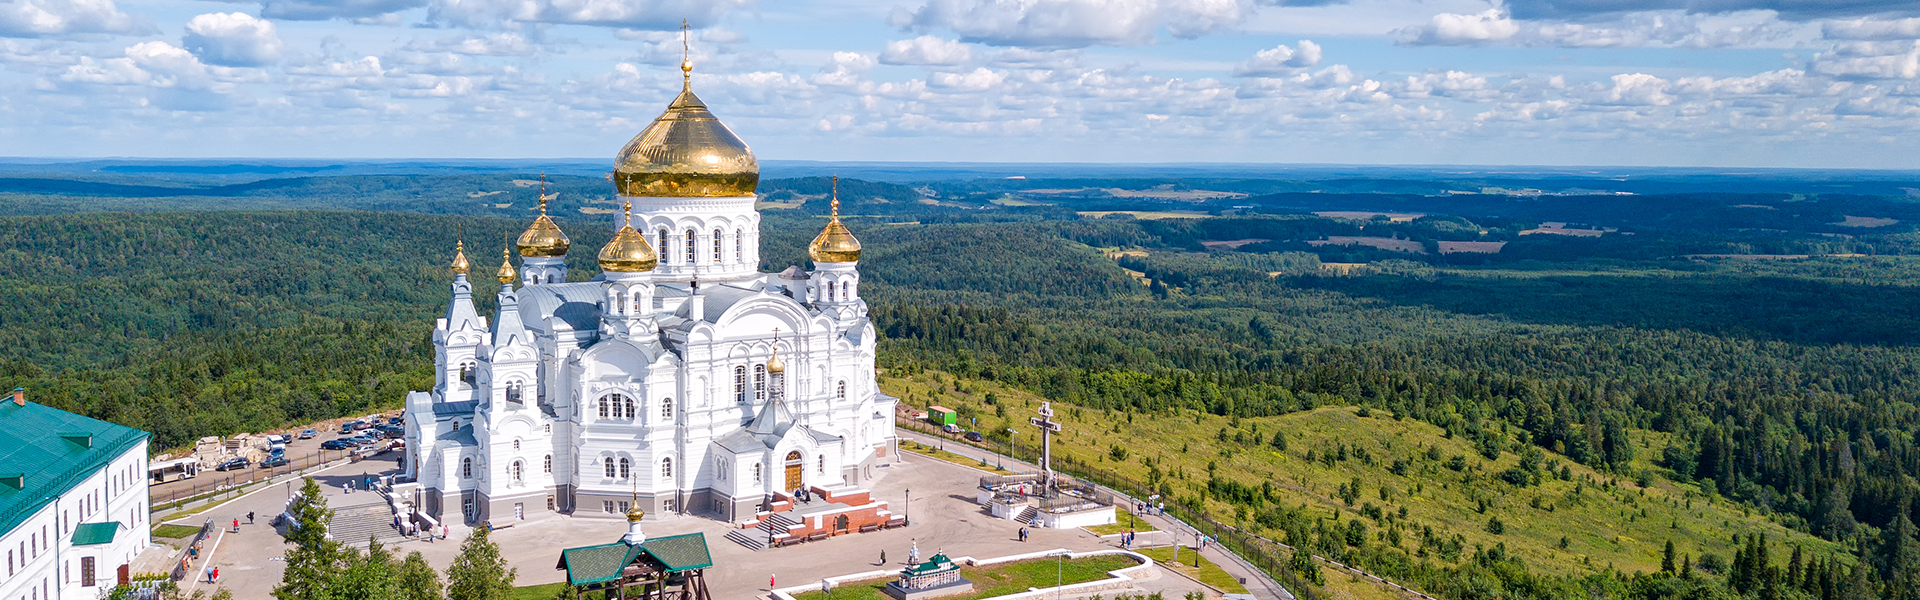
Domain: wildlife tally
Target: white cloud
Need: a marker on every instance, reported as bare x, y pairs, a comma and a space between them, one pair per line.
979, 80
233, 40
158, 65
1636, 89
360, 11
38, 18
1073, 23
640, 14
927, 50
1280, 60
500, 44
1872, 29
1870, 60
1450, 29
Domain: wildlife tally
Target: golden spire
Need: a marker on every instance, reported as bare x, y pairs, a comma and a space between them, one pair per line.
506, 274
460, 265
774, 364
628, 251
686, 58
633, 510
543, 238
835, 244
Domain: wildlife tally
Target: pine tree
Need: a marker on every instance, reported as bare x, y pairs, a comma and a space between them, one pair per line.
479, 572
314, 560
1666, 558
369, 576
418, 581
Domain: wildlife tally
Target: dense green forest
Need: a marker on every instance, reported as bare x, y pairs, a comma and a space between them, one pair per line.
1785, 385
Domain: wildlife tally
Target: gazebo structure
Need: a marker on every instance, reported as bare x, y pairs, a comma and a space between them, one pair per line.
939, 576
668, 568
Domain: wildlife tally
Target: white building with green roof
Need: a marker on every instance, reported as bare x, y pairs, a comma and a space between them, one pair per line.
73, 502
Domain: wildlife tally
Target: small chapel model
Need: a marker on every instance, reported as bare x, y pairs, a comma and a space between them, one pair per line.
680, 371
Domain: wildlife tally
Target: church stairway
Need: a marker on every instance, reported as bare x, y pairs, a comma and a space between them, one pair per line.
756, 538
353, 525
1027, 514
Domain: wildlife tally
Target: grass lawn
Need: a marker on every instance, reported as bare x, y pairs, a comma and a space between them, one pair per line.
997, 580
1198, 567
917, 448
1127, 523
539, 592
174, 531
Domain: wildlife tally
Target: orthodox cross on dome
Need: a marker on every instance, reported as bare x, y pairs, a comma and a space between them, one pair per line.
543, 193
836, 196
686, 53
1047, 429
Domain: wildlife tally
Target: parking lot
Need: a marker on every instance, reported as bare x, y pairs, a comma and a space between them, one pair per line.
300, 454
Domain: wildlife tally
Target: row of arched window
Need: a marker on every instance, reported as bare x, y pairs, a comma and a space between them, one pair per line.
621, 406
622, 468
689, 248
844, 294
516, 472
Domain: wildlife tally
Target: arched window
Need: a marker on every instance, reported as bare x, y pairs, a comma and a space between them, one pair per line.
823, 464
756, 472
516, 445
830, 297
626, 468
518, 472
513, 392
718, 238
609, 462
603, 407
619, 303
546, 465
843, 291
740, 384
739, 246
666, 467
466, 468
666, 408
840, 391
630, 412
759, 383
665, 256
693, 243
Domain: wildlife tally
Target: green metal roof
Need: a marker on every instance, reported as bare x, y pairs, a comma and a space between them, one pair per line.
51, 450
594, 564
88, 534
938, 563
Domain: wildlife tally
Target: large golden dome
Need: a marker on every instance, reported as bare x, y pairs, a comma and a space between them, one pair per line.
628, 251
686, 153
543, 238
835, 244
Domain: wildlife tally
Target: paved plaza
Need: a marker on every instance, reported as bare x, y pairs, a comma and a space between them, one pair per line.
942, 510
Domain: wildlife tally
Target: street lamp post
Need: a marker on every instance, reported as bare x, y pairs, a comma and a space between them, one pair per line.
906, 514
1010, 433
1059, 573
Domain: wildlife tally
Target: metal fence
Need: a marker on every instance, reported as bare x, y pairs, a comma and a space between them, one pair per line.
212, 482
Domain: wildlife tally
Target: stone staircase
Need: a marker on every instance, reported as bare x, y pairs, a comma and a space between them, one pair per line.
1027, 514
354, 525
756, 538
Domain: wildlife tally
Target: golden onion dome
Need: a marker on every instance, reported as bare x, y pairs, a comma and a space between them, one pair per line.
835, 244
635, 514
686, 153
628, 251
543, 238
460, 264
506, 274
774, 364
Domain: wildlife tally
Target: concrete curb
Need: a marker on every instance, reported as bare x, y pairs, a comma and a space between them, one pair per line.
1118, 577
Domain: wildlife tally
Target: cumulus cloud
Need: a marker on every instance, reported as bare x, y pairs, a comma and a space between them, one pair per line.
1451, 29
927, 50
1799, 10
1635, 89
499, 44
39, 18
1871, 29
1870, 60
1073, 23
155, 65
638, 14
233, 40
1280, 60
366, 11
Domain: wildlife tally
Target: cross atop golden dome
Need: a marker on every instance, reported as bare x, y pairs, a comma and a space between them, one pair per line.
686, 152
774, 364
543, 238
628, 251
835, 244
506, 274
460, 264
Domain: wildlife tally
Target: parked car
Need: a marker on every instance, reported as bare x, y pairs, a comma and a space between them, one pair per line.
392, 431
348, 427
307, 434
396, 421
974, 436
361, 440
951, 428
233, 464
336, 444
359, 425
273, 461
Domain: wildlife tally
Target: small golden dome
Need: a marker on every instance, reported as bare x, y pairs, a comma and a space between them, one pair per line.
506, 274
835, 244
460, 264
774, 364
635, 514
686, 153
628, 251
543, 238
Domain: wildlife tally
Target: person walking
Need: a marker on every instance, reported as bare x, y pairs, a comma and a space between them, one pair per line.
216, 576
883, 556
249, 517
209, 573
1023, 534
236, 524
770, 580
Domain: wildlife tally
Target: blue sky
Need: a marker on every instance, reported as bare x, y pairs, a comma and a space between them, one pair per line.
1802, 83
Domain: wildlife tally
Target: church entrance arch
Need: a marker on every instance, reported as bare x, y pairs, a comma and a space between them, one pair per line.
795, 466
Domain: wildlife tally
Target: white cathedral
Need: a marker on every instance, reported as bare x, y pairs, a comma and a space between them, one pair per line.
681, 376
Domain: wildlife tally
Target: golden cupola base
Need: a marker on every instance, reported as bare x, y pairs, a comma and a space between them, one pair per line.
628, 251
686, 153
543, 239
835, 244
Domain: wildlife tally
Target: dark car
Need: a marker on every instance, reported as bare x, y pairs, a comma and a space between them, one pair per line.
359, 425
336, 444
392, 431
234, 464
396, 420
361, 440
273, 461
308, 434
974, 436
349, 426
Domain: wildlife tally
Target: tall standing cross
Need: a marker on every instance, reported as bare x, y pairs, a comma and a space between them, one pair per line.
1047, 429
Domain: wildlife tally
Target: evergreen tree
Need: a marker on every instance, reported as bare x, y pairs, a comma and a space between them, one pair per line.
418, 581
479, 572
314, 560
1279, 441
1666, 558
369, 576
